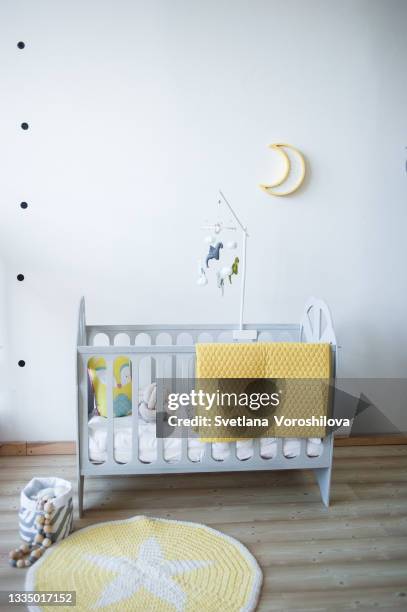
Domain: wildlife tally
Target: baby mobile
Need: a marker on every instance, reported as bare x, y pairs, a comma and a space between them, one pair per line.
223, 250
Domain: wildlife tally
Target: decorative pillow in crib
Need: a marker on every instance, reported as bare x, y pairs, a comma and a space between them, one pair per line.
122, 385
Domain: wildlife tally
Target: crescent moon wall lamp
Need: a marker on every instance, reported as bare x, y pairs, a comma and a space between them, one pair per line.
270, 188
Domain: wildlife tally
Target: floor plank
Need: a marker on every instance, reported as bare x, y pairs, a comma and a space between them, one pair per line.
352, 556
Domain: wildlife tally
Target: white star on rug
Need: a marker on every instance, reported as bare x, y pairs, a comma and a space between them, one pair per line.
149, 570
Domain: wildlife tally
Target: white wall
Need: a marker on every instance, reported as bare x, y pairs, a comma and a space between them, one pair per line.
138, 112
4, 361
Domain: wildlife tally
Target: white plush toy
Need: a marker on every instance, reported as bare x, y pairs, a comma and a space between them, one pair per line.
202, 280
221, 276
148, 403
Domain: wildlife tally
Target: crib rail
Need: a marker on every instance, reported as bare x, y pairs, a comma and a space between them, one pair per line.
179, 360
209, 464
141, 350
150, 335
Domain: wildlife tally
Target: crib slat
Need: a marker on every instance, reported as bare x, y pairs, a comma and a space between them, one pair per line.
173, 370
83, 415
153, 370
160, 450
207, 454
184, 386
279, 453
232, 457
256, 448
184, 367
158, 362
135, 389
109, 406
184, 448
191, 366
303, 448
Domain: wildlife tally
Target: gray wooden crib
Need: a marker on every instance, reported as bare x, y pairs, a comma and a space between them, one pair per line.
177, 356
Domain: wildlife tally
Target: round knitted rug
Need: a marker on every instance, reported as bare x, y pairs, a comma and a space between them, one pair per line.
149, 564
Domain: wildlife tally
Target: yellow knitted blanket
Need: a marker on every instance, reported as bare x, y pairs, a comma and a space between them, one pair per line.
300, 371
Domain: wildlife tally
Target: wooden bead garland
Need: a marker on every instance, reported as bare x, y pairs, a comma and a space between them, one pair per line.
33, 550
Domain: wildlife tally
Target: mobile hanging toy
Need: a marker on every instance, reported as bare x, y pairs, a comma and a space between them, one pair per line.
228, 269
234, 269
214, 253
202, 280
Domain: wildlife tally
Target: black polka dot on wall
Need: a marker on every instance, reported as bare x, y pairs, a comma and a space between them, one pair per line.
23, 205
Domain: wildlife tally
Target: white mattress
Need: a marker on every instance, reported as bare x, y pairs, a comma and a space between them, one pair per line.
172, 446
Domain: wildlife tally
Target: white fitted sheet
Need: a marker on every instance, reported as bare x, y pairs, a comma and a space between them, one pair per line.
172, 446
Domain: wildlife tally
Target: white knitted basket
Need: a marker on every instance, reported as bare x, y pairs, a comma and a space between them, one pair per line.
62, 518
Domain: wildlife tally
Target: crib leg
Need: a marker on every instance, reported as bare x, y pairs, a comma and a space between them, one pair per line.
81, 484
323, 476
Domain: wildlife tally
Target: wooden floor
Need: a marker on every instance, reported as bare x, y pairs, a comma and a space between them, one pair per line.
352, 556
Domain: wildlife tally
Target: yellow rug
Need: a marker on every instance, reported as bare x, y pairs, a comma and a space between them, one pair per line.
149, 564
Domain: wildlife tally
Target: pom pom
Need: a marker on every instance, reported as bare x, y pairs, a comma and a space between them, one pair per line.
36, 554
27, 563
48, 507
25, 548
47, 542
48, 529
40, 519
13, 563
15, 554
38, 539
20, 563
